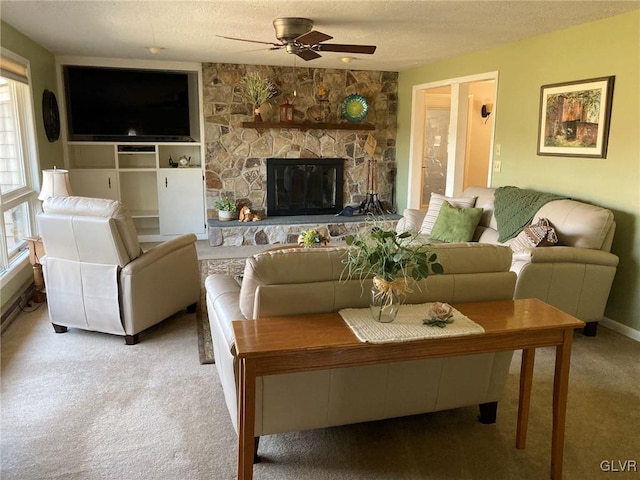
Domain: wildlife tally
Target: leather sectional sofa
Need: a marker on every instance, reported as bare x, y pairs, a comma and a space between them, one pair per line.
575, 275
297, 281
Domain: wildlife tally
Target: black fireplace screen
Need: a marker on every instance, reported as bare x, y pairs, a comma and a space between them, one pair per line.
304, 186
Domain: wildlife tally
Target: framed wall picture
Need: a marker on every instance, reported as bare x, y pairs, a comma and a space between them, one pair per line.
575, 117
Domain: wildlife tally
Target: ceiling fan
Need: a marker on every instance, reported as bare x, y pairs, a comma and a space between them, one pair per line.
296, 36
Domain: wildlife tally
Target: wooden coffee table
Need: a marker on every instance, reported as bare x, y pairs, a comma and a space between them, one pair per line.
276, 345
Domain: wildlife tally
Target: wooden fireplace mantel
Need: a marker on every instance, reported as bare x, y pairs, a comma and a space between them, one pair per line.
309, 125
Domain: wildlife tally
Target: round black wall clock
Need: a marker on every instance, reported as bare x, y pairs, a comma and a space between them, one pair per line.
50, 115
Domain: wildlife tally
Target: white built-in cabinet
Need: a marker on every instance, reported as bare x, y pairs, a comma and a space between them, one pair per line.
162, 200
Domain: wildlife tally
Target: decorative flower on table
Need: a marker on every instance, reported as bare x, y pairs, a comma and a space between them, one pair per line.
439, 315
312, 238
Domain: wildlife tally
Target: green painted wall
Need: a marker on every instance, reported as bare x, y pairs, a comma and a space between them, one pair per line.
43, 76
597, 49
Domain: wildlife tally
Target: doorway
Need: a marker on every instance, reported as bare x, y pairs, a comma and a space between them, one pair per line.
451, 136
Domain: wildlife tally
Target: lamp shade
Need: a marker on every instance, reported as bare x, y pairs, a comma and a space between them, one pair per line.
55, 183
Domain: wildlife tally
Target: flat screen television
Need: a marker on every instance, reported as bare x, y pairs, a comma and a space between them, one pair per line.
130, 105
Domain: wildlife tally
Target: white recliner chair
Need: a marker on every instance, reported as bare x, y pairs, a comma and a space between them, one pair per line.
97, 277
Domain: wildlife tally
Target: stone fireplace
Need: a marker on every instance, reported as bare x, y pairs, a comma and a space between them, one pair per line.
236, 157
304, 186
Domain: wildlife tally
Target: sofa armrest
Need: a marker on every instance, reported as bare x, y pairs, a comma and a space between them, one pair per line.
575, 280
411, 220
159, 283
562, 254
223, 305
154, 254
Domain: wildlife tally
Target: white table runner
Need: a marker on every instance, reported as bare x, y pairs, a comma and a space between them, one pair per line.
407, 326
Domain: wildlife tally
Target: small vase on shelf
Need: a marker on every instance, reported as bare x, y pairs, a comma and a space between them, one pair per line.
256, 114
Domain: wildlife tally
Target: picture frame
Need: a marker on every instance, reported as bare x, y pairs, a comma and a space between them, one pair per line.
575, 117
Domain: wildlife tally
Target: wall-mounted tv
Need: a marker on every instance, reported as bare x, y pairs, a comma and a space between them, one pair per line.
130, 105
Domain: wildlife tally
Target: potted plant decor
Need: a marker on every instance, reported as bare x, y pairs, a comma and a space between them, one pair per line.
226, 207
312, 238
257, 90
394, 260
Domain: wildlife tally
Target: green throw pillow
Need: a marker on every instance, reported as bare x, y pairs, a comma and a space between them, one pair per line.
455, 224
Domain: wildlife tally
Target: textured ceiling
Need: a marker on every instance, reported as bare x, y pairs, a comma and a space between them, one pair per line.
407, 33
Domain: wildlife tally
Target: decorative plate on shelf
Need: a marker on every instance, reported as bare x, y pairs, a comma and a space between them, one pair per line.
355, 108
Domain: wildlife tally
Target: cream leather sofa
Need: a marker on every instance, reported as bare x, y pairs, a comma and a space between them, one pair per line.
97, 277
574, 276
299, 281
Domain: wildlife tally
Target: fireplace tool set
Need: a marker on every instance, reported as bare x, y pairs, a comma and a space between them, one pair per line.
371, 203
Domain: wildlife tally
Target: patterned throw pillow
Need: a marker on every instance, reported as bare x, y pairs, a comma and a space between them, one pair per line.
539, 234
435, 203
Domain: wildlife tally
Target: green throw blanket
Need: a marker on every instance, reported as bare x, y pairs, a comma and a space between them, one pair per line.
515, 207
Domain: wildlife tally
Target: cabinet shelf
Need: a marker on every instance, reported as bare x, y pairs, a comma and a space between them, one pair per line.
309, 125
162, 201
137, 169
144, 213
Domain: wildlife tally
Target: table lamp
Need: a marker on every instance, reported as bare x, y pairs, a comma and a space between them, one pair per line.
55, 183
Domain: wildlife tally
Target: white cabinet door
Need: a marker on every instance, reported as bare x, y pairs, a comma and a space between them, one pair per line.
181, 200
94, 183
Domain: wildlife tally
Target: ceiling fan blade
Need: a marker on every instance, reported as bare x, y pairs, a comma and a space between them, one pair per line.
263, 49
313, 37
307, 54
337, 47
279, 45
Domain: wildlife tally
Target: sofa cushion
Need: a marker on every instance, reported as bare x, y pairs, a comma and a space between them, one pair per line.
515, 208
99, 207
455, 224
287, 269
435, 203
311, 280
578, 224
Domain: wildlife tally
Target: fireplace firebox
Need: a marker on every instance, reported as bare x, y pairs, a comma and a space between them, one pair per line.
304, 186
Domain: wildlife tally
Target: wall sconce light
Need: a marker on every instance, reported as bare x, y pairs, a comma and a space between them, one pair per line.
486, 111
55, 183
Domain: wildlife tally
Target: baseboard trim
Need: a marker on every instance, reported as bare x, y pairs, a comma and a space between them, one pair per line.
14, 306
618, 327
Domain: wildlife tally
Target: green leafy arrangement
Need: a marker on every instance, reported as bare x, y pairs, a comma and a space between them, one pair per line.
312, 238
257, 89
389, 255
225, 203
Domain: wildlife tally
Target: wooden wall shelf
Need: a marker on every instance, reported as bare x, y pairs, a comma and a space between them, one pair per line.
310, 125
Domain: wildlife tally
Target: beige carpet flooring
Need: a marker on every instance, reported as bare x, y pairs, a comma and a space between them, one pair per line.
83, 405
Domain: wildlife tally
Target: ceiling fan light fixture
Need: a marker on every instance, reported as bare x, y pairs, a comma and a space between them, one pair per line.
290, 28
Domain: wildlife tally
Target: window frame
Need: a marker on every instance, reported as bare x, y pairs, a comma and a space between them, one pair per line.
12, 265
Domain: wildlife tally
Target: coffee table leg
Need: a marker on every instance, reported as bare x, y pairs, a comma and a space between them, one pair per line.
246, 419
524, 400
560, 390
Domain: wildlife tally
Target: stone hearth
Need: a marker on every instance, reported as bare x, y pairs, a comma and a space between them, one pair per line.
285, 230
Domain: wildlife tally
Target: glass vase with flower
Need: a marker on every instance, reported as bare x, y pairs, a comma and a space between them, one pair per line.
394, 260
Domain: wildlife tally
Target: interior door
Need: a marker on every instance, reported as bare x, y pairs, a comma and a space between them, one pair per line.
436, 144
451, 136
